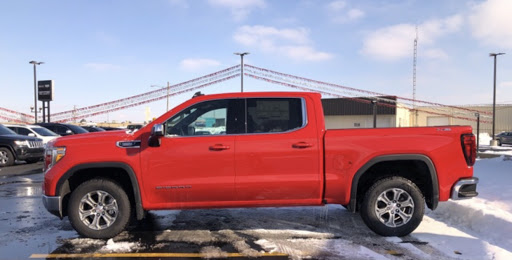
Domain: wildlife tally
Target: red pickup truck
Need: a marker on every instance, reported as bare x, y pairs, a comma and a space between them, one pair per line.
256, 150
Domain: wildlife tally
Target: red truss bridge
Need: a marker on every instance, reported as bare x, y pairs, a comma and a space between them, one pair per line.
267, 75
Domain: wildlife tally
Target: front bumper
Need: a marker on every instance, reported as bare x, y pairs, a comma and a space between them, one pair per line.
23, 153
53, 204
465, 189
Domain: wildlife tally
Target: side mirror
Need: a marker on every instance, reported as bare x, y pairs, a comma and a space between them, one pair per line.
156, 132
31, 134
68, 132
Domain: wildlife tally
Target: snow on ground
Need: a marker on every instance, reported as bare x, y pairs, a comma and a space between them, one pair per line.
478, 228
481, 227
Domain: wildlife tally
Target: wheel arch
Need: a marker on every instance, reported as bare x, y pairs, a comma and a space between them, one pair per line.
82, 172
10, 149
431, 191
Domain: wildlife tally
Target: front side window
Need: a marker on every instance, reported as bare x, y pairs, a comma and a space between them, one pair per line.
271, 115
215, 117
59, 129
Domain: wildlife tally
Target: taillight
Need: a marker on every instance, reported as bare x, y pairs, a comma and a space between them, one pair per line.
468, 142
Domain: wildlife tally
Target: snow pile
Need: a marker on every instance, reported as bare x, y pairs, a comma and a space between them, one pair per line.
484, 139
481, 227
119, 247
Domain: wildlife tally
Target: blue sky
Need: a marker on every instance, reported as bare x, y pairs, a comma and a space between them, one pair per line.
98, 51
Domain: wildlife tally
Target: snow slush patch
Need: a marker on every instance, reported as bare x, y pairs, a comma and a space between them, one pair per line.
210, 252
80, 244
298, 248
119, 247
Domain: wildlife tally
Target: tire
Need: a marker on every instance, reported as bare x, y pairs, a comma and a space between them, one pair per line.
6, 157
96, 202
393, 207
499, 142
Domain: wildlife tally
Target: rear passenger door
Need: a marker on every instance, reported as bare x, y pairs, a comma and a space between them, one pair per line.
278, 157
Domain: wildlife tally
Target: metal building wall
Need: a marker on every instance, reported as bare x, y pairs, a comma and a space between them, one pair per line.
503, 118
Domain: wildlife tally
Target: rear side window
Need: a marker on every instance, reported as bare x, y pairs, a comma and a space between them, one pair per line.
273, 115
24, 131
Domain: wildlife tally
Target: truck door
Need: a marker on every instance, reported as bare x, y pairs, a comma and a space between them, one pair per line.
195, 160
278, 158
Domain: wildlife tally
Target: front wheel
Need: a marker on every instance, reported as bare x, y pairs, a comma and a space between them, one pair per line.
99, 208
393, 207
6, 157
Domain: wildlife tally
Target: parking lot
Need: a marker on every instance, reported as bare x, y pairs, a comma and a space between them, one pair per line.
267, 233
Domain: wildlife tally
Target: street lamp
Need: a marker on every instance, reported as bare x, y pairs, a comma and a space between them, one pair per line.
168, 89
493, 141
242, 68
35, 87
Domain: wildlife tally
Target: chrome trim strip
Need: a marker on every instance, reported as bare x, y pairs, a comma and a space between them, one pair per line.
304, 119
458, 185
128, 144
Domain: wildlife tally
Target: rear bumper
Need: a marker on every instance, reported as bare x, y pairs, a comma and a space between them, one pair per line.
465, 189
53, 204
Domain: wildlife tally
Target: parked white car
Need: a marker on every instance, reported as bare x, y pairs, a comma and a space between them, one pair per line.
35, 131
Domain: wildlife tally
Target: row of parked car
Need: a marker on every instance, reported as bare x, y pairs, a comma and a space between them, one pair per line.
27, 142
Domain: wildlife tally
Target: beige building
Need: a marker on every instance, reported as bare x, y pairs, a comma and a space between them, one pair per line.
358, 113
430, 116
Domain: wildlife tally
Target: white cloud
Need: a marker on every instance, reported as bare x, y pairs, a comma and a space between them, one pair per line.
306, 53
290, 42
491, 22
396, 42
102, 67
354, 14
240, 9
198, 64
340, 14
435, 54
336, 5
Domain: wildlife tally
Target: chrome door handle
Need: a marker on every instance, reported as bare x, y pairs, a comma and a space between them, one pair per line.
219, 147
301, 145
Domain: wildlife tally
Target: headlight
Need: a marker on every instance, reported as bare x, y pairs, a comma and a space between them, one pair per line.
53, 155
21, 143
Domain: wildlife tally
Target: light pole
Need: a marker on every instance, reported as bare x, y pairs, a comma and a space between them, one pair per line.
242, 68
168, 90
493, 141
35, 88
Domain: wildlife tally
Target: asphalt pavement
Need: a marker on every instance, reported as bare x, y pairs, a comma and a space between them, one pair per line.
21, 168
28, 231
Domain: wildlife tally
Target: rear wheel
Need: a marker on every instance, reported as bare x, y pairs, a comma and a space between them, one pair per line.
393, 207
99, 208
6, 157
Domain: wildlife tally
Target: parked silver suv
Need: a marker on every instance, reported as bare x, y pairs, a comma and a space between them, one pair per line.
504, 138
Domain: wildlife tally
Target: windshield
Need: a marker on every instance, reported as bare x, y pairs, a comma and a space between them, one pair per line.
6, 131
43, 131
77, 129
